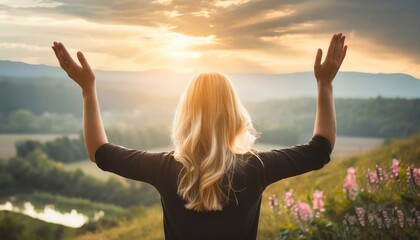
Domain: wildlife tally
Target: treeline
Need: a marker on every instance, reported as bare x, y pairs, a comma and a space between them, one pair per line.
281, 122
62, 149
378, 117
38, 172
24, 121
64, 97
66, 150
280, 135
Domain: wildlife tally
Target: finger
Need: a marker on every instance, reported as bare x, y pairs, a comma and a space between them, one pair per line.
318, 58
331, 48
343, 54
83, 60
59, 55
59, 58
66, 55
55, 52
339, 47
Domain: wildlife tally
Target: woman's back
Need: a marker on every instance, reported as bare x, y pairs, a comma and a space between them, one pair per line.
239, 218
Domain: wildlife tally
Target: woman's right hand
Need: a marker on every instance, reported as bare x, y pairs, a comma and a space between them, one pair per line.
326, 71
82, 75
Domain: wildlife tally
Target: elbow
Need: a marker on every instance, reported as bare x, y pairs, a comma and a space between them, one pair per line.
91, 153
92, 158
332, 143
322, 147
91, 150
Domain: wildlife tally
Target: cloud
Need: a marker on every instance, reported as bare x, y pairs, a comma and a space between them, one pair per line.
240, 24
264, 28
31, 3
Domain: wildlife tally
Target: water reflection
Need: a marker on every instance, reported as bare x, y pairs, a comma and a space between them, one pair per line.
49, 214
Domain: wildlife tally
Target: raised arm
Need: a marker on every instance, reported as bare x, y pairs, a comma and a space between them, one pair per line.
325, 123
83, 75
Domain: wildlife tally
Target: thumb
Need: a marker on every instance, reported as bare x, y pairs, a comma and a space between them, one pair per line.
82, 60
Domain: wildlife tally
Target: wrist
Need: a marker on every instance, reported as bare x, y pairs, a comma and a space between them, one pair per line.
88, 90
324, 85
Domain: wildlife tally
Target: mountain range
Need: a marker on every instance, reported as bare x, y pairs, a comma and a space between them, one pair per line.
251, 86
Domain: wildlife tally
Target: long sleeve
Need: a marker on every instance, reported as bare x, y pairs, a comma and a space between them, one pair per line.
289, 162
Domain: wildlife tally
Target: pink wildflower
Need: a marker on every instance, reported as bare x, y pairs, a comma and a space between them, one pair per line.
288, 199
373, 180
360, 212
387, 220
416, 176
303, 211
350, 185
351, 219
371, 219
317, 201
379, 221
412, 219
400, 217
380, 173
395, 169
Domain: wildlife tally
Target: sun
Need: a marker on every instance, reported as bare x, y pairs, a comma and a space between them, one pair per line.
180, 47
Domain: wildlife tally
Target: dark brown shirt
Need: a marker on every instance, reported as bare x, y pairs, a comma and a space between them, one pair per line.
239, 219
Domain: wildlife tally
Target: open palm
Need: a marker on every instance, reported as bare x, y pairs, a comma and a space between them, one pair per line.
82, 75
326, 71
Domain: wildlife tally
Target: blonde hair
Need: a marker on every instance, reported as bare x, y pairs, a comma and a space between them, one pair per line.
210, 128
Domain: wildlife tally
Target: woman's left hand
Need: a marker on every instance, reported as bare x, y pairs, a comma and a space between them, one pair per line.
82, 75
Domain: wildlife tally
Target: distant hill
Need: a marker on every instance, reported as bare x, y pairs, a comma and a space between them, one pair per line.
251, 86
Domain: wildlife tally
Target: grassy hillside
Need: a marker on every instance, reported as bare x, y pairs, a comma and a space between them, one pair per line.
19, 226
330, 179
148, 224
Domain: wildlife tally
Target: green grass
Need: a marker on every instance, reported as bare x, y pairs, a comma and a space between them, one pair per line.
147, 225
19, 226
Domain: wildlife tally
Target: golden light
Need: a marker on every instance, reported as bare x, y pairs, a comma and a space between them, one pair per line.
178, 46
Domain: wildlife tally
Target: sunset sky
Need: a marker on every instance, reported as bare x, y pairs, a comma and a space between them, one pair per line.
265, 36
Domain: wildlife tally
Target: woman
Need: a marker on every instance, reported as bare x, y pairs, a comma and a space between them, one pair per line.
211, 184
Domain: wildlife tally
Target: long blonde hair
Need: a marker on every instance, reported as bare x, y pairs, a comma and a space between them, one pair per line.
210, 128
